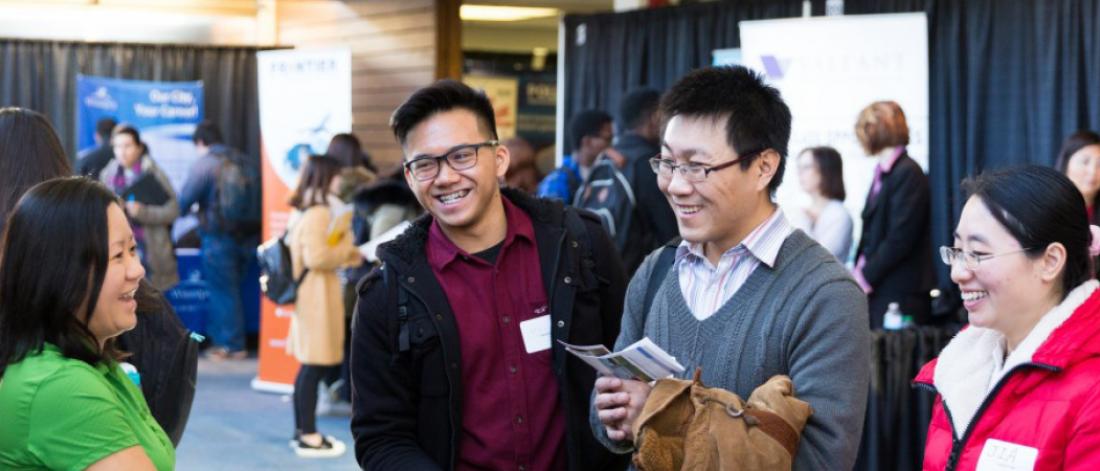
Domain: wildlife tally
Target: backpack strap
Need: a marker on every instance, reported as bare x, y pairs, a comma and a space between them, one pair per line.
657, 274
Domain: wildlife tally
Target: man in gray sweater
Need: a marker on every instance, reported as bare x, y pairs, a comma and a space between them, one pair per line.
746, 296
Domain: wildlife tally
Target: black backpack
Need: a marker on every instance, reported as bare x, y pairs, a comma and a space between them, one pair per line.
609, 193
166, 356
237, 185
277, 280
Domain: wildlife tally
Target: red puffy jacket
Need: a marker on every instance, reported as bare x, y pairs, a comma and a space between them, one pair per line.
1044, 413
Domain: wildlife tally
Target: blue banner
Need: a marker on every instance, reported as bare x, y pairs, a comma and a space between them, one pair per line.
165, 113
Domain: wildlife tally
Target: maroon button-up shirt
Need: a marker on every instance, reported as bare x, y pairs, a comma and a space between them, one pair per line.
511, 412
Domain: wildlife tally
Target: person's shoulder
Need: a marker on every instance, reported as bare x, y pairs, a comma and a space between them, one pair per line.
52, 378
804, 257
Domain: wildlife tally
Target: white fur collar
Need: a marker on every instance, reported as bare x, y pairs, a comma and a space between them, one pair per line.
966, 371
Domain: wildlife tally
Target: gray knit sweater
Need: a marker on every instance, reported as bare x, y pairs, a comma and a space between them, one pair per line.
805, 318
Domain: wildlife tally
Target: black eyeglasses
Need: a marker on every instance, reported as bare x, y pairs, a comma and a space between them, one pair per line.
460, 157
692, 171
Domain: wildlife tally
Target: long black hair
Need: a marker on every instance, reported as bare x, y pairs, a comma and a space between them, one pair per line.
30, 153
1039, 206
50, 275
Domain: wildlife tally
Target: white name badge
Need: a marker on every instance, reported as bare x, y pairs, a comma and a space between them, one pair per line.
536, 333
1000, 455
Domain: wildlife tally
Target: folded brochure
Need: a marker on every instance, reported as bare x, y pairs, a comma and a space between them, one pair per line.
643, 360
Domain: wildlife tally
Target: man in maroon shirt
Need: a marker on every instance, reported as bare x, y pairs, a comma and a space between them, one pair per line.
455, 362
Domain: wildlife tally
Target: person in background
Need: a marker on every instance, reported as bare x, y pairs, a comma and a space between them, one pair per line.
26, 133
821, 175
346, 149
1080, 161
894, 255
69, 274
227, 251
1017, 388
92, 161
639, 141
456, 363
320, 242
591, 134
523, 173
30, 153
152, 223
743, 296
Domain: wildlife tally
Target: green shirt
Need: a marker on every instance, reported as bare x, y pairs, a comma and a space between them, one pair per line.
61, 413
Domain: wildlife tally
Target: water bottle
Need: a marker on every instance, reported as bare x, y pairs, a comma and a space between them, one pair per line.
893, 319
131, 372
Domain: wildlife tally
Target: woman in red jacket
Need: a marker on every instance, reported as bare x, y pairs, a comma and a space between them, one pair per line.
1018, 389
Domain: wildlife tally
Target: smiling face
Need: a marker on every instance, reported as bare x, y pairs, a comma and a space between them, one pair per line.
462, 201
115, 308
720, 211
1007, 292
1083, 169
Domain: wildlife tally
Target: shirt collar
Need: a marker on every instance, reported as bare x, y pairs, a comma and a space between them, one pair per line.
763, 242
888, 164
441, 251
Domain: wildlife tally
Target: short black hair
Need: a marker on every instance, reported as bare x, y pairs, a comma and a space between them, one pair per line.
638, 106
586, 123
47, 275
444, 95
831, 169
758, 118
104, 126
208, 133
1039, 206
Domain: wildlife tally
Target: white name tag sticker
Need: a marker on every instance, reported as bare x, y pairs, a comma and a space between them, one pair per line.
536, 333
1000, 455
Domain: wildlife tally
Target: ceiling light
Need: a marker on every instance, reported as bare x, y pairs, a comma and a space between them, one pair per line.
502, 13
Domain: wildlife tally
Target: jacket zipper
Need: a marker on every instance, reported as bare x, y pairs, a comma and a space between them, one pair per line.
446, 371
957, 444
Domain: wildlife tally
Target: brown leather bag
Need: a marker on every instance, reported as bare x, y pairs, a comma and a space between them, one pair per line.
686, 426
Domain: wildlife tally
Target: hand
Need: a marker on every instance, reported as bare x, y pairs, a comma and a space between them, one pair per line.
133, 207
618, 404
616, 157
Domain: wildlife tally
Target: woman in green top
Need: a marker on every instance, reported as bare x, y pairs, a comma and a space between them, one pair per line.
68, 274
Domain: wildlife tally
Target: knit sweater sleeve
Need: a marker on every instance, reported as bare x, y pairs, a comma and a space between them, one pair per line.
829, 364
632, 329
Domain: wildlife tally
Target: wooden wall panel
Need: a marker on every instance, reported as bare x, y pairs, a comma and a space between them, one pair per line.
393, 44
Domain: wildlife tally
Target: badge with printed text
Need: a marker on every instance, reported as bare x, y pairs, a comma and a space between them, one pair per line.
536, 333
998, 455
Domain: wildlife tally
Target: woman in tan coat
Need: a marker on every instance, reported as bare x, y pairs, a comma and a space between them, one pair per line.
321, 242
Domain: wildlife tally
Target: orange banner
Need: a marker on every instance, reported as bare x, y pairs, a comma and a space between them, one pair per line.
277, 368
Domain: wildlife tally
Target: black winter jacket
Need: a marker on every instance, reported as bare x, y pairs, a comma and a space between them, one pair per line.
406, 384
897, 243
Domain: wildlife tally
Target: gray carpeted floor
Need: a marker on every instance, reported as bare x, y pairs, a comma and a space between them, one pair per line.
233, 427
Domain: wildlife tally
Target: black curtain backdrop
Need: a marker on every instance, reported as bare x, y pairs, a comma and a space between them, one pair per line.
1009, 79
41, 75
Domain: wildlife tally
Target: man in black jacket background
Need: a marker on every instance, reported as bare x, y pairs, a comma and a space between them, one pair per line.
455, 359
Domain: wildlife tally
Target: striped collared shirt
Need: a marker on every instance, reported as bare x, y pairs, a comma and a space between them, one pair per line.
707, 287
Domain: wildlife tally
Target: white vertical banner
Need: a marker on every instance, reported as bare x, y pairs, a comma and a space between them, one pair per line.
828, 69
305, 99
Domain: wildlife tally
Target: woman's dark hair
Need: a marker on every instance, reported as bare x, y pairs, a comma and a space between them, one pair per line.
132, 132
345, 147
30, 153
831, 168
1039, 206
314, 181
49, 277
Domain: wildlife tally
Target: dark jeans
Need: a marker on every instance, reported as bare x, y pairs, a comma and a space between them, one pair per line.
305, 396
225, 260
